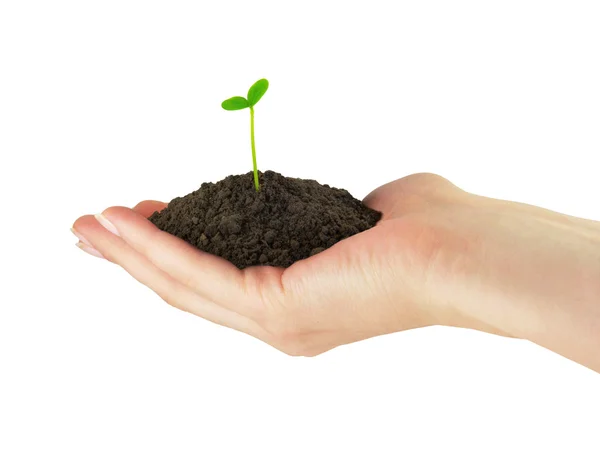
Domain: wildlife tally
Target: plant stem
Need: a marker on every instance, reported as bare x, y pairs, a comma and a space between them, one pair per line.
256, 185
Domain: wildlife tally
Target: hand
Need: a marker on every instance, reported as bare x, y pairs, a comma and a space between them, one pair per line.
363, 286
439, 256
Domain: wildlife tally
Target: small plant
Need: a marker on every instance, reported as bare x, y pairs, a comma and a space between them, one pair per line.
255, 93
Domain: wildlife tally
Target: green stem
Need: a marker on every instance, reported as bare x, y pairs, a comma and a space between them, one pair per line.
256, 185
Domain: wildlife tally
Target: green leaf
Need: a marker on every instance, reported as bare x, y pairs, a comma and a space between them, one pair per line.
235, 103
257, 90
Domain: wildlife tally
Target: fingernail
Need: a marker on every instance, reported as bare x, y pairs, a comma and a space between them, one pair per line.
89, 250
80, 237
106, 224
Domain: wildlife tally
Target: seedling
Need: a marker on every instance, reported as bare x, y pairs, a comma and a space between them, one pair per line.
255, 93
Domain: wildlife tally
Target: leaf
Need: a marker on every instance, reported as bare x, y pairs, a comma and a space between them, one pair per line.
257, 90
235, 103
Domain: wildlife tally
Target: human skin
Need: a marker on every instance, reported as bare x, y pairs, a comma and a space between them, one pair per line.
439, 256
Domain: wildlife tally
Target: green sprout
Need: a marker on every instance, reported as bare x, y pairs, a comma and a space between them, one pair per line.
255, 93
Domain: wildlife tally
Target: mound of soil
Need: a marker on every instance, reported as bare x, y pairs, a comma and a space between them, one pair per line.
287, 220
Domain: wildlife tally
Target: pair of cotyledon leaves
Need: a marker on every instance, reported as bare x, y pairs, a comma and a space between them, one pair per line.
255, 93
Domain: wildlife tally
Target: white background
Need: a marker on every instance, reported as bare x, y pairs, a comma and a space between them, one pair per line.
112, 102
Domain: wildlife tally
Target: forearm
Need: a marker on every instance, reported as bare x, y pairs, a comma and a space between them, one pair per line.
562, 312
554, 289
537, 277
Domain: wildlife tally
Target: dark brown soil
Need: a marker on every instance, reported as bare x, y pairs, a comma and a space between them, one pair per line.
287, 220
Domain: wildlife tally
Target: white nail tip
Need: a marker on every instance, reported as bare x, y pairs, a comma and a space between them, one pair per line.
89, 250
106, 224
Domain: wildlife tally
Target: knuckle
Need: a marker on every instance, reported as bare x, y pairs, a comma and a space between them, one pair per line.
426, 182
428, 188
190, 280
425, 178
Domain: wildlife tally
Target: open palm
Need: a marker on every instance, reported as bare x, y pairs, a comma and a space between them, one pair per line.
366, 285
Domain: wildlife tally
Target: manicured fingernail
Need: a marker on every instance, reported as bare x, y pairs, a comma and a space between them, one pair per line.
89, 250
80, 237
106, 224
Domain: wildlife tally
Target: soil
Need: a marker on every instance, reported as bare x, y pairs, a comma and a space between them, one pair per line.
287, 220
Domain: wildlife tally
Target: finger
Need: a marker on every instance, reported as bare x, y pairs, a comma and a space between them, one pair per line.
116, 250
89, 250
148, 207
212, 277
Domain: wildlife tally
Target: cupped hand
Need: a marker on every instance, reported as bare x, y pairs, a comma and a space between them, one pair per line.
389, 278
